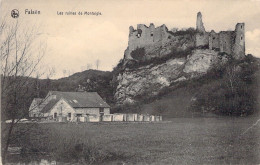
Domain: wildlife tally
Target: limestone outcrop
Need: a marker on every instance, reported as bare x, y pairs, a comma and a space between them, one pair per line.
150, 79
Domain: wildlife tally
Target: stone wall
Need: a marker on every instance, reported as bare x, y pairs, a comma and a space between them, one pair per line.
202, 39
145, 36
213, 40
225, 41
230, 42
153, 39
91, 111
85, 111
239, 45
62, 108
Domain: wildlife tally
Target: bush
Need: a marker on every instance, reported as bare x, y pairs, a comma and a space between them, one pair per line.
138, 54
175, 53
189, 31
233, 92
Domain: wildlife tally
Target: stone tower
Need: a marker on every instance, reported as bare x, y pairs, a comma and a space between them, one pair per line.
239, 45
199, 23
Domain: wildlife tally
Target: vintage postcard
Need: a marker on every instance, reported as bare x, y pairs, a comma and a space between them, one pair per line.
130, 82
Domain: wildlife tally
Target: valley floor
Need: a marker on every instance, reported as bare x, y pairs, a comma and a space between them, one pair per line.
222, 140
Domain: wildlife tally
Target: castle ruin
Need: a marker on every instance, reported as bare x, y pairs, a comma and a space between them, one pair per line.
230, 42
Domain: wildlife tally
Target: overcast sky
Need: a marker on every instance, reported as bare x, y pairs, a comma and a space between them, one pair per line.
73, 42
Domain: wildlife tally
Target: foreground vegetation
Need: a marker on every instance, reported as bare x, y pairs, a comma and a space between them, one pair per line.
181, 141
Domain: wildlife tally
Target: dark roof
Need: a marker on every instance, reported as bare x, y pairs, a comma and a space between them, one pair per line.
77, 100
82, 99
37, 102
49, 105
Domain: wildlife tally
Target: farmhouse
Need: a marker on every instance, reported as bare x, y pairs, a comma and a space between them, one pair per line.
70, 106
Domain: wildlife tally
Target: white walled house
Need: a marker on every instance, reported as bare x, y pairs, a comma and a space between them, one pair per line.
61, 108
73, 105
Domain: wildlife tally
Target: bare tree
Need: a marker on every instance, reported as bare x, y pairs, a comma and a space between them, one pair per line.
21, 54
231, 77
97, 63
82, 68
52, 72
89, 66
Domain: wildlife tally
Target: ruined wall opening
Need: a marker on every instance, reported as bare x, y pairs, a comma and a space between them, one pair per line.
139, 33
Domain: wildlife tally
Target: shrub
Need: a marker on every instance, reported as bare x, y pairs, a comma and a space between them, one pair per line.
189, 31
233, 92
175, 53
138, 54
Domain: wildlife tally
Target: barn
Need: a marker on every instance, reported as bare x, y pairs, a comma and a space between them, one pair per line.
70, 106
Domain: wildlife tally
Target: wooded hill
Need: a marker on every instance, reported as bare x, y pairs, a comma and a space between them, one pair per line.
231, 90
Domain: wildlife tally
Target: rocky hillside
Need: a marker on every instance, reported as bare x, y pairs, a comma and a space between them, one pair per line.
157, 58
229, 90
151, 78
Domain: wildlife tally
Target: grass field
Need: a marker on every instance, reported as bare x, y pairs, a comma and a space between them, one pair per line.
180, 141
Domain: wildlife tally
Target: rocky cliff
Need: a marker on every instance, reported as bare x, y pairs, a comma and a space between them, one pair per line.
157, 58
150, 79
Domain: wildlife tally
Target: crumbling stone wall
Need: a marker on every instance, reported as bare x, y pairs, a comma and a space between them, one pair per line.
202, 39
199, 23
213, 40
225, 41
158, 41
144, 36
238, 50
230, 42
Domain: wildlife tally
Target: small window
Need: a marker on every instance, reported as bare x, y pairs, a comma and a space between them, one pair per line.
69, 115
241, 27
34, 115
55, 115
151, 34
101, 110
241, 38
214, 38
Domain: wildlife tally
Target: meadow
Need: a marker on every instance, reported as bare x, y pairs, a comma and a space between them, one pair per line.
221, 140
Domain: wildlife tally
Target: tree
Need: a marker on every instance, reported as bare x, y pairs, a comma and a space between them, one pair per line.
64, 72
97, 63
89, 66
21, 54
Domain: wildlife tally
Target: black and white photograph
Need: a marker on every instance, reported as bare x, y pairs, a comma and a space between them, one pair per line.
125, 82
